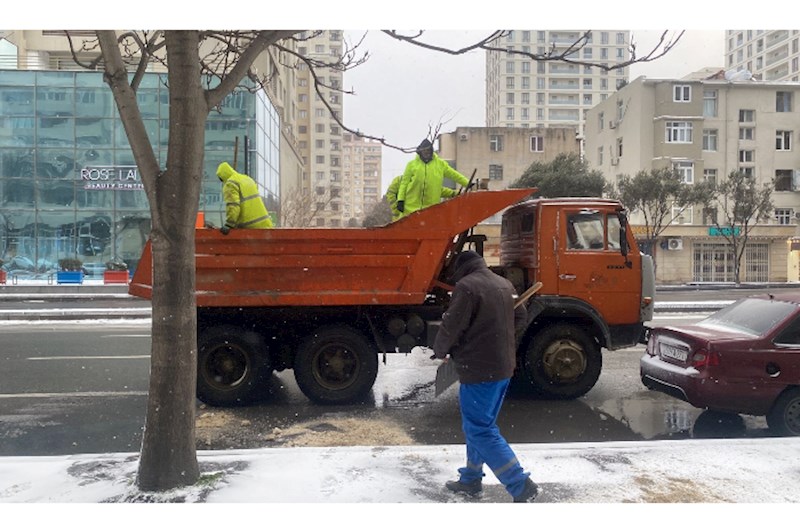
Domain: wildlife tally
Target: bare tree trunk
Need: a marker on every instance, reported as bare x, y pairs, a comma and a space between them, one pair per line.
169, 456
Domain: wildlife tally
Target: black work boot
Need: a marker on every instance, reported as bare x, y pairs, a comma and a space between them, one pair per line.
469, 488
529, 492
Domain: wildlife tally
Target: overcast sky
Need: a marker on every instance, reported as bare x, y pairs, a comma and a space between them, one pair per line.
402, 91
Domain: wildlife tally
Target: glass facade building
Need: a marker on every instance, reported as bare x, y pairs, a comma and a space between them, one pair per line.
69, 186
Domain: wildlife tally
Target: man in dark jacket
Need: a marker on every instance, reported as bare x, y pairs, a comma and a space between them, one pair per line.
478, 332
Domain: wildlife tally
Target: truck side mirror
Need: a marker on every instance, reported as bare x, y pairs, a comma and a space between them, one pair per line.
623, 237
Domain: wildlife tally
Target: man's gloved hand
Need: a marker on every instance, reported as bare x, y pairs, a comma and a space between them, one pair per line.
225, 229
401, 206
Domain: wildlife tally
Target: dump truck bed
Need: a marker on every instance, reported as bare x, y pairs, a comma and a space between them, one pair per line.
396, 264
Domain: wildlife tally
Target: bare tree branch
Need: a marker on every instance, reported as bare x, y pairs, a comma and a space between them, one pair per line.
665, 44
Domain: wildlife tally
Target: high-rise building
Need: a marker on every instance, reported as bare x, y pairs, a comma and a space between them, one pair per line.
768, 54
526, 93
361, 177
319, 134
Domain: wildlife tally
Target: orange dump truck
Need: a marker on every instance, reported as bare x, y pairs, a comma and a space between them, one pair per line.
327, 302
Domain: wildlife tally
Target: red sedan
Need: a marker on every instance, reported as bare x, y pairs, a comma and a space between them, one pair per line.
744, 358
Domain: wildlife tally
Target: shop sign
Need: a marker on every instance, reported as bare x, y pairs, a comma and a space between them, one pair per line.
724, 231
111, 178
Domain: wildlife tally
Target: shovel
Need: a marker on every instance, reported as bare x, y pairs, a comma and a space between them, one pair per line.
446, 372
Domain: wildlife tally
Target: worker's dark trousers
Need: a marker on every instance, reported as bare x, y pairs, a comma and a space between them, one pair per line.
480, 405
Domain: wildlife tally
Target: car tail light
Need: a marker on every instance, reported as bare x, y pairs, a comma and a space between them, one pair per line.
651, 346
705, 358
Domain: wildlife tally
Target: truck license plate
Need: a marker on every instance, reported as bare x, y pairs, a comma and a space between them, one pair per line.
676, 353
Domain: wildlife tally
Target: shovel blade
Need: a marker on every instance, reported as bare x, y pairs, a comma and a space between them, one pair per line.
446, 376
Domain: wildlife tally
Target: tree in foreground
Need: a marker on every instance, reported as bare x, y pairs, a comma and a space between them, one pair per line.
203, 67
565, 176
739, 204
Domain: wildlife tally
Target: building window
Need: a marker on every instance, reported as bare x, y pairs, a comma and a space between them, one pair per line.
747, 156
783, 140
600, 156
619, 147
526, 83
537, 144
526, 67
747, 171
679, 132
783, 216
496, 143
747, 115
783, 181
709, 216
509, 98
510, 113
747, 134
526, 98
710, 140
710, 176
682, 93
510, 82
682, 216
783, 101
686, 171
710, 103
526, 114
496, 172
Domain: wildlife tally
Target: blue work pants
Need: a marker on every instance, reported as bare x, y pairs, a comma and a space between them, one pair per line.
480, 404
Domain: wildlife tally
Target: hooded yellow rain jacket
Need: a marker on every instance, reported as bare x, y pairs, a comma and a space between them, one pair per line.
391, 196
421, 183
243, 205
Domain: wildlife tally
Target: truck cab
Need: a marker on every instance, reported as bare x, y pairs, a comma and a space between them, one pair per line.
597, 288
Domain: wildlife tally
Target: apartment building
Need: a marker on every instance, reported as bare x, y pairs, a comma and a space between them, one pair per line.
361, 177
319, 134
706, 129
500, 155
768, 54
524, 93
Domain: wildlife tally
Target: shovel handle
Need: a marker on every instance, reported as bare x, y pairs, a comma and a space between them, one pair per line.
528, 293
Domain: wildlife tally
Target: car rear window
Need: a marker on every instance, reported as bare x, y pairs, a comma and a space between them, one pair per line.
753, 315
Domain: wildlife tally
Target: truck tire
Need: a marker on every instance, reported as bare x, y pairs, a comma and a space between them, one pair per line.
561, 361
231, 365
335, 365
784, 417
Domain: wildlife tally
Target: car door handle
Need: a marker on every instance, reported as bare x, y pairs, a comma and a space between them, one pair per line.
773, 369
567, 277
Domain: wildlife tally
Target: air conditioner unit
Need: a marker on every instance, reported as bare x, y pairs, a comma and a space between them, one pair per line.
463, 137
612, 124
675, 243
614, 161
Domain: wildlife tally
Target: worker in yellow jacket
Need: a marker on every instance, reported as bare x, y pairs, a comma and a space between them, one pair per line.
421, 182
243, 205
394, 186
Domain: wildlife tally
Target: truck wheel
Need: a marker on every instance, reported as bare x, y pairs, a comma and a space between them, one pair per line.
784, 417
231, 365
562, 361
335, 365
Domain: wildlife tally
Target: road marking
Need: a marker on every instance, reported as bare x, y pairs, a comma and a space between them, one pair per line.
91, 394
130, 357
